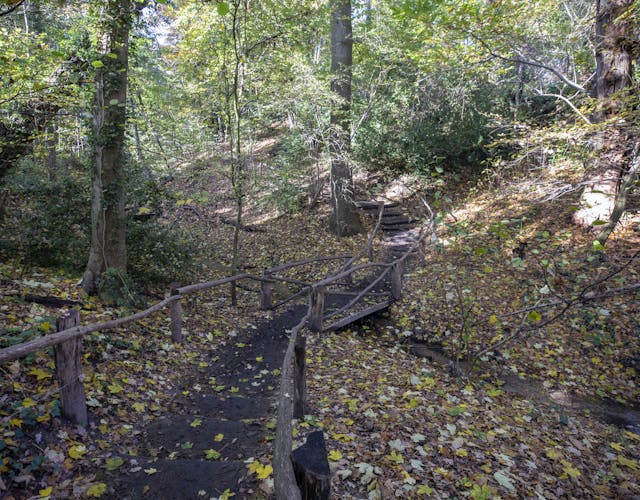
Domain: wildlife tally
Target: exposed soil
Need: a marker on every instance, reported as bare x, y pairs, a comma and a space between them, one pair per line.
177, 442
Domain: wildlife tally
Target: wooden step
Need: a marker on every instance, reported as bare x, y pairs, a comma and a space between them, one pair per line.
359, 315
399, 228
179, 478
389, 220
374, 205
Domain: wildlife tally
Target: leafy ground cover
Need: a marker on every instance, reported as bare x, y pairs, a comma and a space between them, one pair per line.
397, 424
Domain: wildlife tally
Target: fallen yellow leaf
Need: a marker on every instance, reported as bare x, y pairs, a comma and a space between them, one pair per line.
97, 490
45, 492
77, 451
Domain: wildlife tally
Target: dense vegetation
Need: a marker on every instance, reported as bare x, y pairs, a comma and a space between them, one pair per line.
143, 143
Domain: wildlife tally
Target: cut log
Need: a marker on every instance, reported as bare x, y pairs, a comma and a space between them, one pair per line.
68, 359
374, 205
390, 220
311, 468
47, 300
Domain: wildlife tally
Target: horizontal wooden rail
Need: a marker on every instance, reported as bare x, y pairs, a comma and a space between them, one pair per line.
292, 281
358, 297
304, 262
284, 478
212, 284
20, 350
350, 271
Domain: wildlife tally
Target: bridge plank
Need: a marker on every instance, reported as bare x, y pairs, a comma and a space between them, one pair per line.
359, 315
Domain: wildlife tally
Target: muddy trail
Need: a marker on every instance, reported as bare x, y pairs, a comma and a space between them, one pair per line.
218, 419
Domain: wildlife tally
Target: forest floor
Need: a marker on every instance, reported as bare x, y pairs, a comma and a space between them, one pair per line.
549, 413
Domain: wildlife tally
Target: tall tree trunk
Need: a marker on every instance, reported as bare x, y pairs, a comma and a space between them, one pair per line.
344, 217
108, 225
613, 76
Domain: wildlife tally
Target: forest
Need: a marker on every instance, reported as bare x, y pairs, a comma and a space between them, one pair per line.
319, 249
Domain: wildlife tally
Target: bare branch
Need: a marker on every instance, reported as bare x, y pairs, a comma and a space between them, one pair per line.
11, 9
565, 99
535, 64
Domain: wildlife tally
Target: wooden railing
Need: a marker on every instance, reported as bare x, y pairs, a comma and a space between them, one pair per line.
308, 477
67, 342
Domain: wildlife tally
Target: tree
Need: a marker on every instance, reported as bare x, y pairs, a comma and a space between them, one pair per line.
108, 225
614, 69
344, 218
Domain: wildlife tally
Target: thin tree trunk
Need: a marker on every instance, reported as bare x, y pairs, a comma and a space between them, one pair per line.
108, 224
613, 77
344, 217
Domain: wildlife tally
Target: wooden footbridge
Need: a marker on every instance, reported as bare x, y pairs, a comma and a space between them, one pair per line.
358, 286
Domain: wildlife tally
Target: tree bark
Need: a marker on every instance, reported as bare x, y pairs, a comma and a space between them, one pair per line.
108, 224
614, 58
344, 217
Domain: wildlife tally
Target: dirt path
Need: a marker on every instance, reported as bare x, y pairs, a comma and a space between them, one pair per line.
225, 406
220, 416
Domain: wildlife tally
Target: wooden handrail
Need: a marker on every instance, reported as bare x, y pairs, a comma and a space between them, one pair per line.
304, 262
20, 350
211, 284
359, 296
349, 272
283, 475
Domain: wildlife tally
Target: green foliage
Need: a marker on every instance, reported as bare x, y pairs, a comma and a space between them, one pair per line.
118, 289
48, 225
158, 254
287, 181
48, 219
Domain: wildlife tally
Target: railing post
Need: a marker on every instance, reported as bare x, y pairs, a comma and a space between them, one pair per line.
176, 315
267, 293
317, 309
299, 374
68, 362
396, 280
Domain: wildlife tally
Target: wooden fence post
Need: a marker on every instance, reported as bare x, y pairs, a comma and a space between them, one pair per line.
300, 374
267, 293
176, 315
396, 281
68, 361
317, 309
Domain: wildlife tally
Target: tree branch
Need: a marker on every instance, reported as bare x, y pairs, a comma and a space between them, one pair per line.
11, 9
535, 64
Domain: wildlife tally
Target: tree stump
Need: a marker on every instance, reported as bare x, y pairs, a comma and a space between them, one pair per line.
68, 361
311, 468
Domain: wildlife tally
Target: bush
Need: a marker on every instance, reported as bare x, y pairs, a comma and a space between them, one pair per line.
157, 253
48, 221
49, 224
